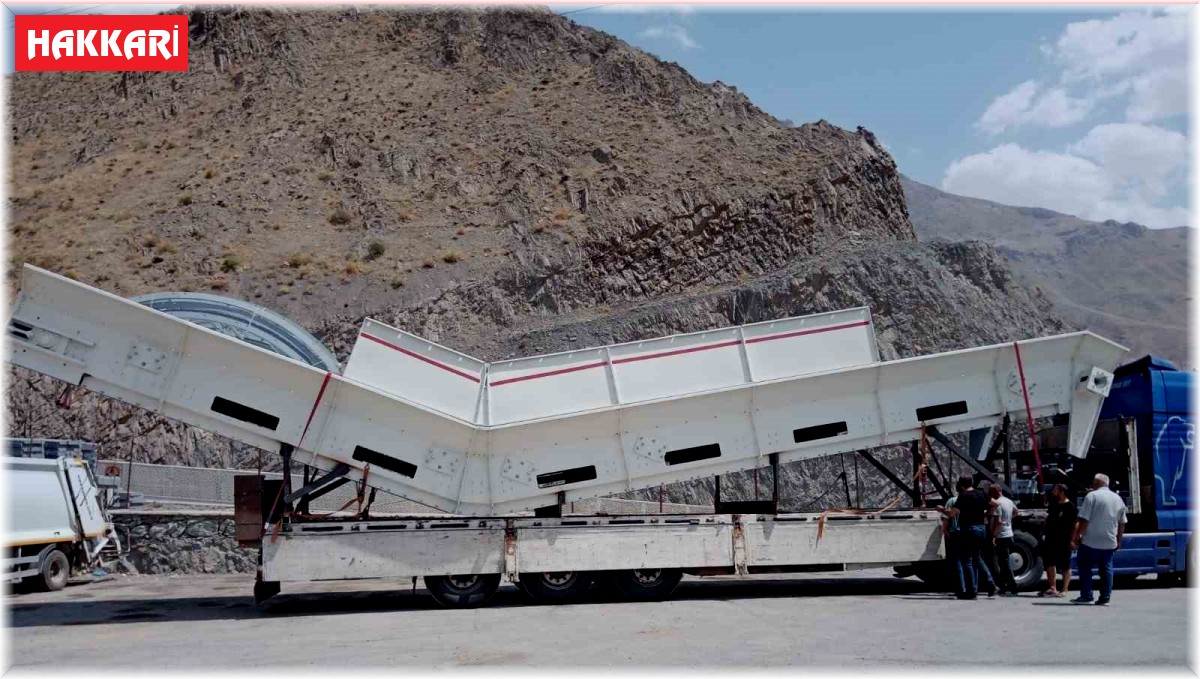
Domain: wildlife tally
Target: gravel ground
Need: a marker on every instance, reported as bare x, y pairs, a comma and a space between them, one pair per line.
843, 621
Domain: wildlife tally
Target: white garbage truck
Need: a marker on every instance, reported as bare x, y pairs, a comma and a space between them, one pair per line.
57, 521
486, 442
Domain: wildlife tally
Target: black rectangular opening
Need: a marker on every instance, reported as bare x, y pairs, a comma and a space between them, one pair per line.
384, 461
819, 431
565, 476
942, 410
693, 454
245, 413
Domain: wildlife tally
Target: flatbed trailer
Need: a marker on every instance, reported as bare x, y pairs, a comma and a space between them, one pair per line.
463, 559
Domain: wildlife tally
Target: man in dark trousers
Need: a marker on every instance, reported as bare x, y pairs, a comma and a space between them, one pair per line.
1099, 529
1056, 540
970, 508
1003, 512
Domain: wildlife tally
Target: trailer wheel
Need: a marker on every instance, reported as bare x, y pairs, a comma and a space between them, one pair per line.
557, 587
648, 584
462, 591
55, 571
1026, 560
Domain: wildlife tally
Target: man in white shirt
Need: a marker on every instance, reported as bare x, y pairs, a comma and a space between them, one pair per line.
1098, 533
1004, 511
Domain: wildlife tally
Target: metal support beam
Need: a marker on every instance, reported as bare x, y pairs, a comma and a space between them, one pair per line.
866, 455
942, 439
338, 471
917, 499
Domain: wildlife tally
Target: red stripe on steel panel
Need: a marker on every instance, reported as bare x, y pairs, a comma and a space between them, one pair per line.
419, 357
317, 402
676, 352
549, 373
813, 331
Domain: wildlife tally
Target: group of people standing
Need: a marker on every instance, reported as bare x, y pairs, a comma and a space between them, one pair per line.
978, 530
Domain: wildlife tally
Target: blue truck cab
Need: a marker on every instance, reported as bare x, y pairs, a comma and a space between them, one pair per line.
1157, 397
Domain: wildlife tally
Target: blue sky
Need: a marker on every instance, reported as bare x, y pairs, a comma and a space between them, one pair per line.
1079, 111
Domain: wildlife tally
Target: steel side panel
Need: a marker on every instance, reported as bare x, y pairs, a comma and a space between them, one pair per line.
416, 369
795, 543
598, 548
353, 555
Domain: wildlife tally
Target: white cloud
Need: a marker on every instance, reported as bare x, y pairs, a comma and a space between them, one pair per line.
1141, 56
1132, 66
1116, 172
1161, 93
1127, 44
1140, 160
673, 32
1032, 104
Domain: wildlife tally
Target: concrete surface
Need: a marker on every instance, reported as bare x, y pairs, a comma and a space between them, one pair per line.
843, 621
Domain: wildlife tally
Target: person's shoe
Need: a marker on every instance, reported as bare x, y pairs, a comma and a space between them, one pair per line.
1049, 592
991, 592
1102, 601
1008, 594
1082, 600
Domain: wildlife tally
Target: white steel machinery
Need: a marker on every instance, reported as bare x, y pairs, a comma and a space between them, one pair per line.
444, 429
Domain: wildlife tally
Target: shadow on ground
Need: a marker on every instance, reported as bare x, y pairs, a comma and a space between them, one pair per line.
87, 608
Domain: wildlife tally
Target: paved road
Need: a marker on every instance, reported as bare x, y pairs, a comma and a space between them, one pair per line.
842, 621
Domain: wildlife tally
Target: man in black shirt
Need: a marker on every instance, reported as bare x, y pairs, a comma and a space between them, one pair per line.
971, 508
1056, 540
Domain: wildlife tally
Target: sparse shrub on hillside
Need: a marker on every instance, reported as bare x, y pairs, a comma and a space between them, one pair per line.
405, 214
460, 232
375, 249
562, 214
285, 289
218, 284
397, 282
209, 173
452, 256
427, 264
339, 216
324, 175
353, 267
185, 199
299, 259
231, 263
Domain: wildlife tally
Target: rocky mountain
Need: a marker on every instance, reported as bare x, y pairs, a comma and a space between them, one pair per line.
1124, 281
502, 181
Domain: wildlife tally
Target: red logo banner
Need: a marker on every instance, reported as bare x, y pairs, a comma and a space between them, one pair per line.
101, 42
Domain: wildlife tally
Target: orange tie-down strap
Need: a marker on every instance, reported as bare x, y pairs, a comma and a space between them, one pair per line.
918, 475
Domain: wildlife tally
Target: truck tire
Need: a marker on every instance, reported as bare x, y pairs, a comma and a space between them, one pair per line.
1026, 560
462, 591
555, 588
648, 584
55, 571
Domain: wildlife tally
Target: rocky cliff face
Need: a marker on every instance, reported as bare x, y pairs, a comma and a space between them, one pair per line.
505, 182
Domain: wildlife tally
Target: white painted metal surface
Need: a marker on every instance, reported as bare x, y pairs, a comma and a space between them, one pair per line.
436, 426
419, 547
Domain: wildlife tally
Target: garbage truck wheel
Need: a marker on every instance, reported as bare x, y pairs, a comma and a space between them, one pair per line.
55, 571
